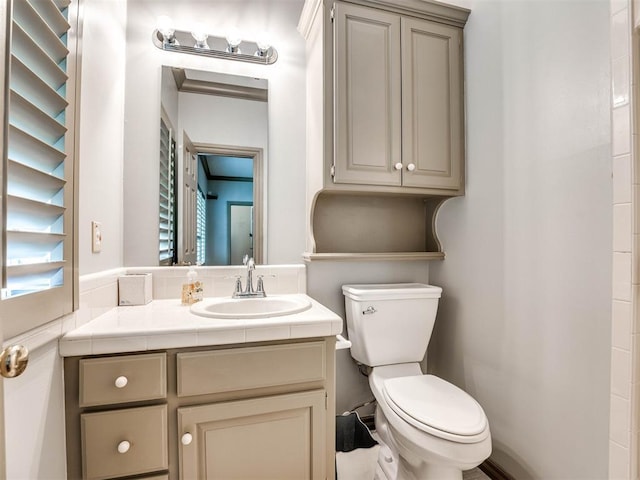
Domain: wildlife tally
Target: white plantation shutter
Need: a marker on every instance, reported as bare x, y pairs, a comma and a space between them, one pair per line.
167, 220
201, 227
39, 164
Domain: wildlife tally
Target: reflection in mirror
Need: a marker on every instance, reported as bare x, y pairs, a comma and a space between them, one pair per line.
213, 152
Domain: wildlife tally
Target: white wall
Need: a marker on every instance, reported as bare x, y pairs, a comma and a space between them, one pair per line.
218, 245
101, 132
524, 324
223, 120
286, 78
34, 418
213, 120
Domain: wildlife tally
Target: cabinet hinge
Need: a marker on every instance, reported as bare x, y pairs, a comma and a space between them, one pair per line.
333, 9
332, 171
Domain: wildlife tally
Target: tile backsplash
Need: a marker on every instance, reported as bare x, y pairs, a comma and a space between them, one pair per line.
220, 281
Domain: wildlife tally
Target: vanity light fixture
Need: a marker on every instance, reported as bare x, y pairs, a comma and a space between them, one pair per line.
199, 42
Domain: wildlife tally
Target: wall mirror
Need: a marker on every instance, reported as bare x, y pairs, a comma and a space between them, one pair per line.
213, 155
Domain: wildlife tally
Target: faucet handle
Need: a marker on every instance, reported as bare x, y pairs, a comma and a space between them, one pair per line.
238, 287
260, 284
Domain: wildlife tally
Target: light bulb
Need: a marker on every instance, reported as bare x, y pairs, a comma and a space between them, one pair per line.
233, 41
166, 28
200, 36
264, 44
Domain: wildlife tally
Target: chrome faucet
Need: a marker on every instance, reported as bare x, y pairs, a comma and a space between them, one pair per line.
248, 291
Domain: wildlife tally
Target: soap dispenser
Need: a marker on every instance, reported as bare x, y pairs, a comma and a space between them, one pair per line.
192, 291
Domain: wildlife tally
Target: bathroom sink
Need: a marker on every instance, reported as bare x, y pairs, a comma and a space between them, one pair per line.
247, 308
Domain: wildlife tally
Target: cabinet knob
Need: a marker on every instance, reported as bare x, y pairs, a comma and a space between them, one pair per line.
124, 446
121, 382
411, 167
186, 439
398, 166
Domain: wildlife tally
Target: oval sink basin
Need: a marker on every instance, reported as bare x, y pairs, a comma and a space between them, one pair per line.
241, 308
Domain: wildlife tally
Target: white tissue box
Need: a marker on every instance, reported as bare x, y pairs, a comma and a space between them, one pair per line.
135, 289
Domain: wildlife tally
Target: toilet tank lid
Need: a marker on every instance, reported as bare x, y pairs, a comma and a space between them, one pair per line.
390, 291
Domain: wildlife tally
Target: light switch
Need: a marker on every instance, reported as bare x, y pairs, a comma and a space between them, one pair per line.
96, 237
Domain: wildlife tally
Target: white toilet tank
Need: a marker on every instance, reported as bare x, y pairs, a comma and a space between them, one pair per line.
390, 323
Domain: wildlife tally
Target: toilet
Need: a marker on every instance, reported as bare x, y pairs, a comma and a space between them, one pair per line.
428, 428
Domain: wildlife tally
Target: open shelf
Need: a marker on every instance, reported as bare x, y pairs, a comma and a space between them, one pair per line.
365, 227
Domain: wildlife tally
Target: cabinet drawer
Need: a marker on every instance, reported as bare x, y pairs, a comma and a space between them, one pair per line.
227, 370
103, 434
105, 381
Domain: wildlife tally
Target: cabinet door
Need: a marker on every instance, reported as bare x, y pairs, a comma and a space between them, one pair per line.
432, 108
367, 96
281, 437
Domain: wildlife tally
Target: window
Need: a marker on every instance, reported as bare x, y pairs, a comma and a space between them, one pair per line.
167, 224
201, 227
39, 164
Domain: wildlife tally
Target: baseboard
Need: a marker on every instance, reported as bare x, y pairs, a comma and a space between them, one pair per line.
494, 471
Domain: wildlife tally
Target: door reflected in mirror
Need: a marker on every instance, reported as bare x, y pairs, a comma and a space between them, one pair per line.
213, 152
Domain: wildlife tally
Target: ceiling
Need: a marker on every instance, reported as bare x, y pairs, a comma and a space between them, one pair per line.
218, 167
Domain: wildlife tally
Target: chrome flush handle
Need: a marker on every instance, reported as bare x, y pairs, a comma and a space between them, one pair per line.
370, 310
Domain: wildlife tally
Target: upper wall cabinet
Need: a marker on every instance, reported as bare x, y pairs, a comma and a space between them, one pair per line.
385, 122
398, 101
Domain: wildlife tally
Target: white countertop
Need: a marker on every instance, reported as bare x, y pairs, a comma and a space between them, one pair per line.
168, 324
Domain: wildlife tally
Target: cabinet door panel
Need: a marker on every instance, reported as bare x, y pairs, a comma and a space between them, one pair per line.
431, 105
279, 437
367, 96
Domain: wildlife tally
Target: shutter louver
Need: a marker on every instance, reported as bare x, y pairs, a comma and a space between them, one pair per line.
201, 227
167, 196
37, 149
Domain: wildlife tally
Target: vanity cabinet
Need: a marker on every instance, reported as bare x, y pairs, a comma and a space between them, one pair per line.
251, 411
385, 125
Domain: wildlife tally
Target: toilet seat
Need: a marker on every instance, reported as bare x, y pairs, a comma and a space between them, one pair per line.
436, 407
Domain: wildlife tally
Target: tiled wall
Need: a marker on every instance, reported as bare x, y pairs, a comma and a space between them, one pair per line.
624, 433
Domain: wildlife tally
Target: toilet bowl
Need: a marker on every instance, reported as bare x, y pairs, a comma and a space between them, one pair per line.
435, 429
429, 428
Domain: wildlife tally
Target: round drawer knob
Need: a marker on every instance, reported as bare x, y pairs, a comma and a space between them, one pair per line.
398, 166
411, 167
124, 446
186, 439
121, 382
